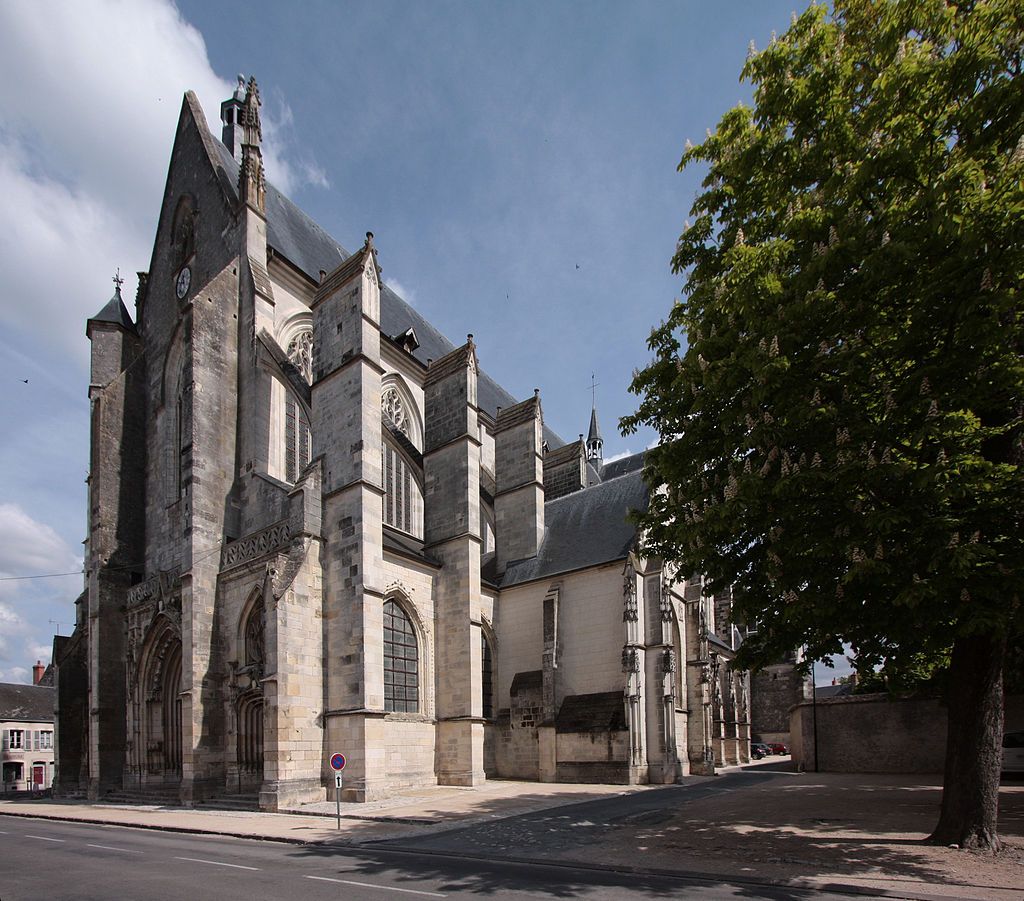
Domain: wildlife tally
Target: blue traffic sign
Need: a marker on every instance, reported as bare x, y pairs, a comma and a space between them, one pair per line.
338, 761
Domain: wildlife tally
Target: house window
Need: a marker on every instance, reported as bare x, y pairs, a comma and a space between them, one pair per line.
401, 662
15, 739
403, 500
45, 741
486, 676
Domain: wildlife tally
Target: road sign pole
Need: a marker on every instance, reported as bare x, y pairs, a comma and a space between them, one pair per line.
338, 764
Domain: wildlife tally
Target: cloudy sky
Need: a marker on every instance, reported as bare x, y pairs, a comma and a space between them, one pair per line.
516, 162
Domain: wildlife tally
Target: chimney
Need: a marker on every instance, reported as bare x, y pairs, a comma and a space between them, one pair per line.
37, 672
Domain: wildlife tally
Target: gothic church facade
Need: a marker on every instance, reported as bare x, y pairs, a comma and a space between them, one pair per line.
317, 526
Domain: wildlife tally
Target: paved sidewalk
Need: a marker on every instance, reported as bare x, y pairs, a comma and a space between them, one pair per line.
761, 824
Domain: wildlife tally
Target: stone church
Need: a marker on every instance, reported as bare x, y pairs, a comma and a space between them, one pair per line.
316, 525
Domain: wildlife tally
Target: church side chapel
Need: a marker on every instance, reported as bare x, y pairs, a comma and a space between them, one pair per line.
317, 526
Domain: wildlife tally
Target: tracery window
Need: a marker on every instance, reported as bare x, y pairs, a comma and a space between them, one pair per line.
300, 352
298, 443
401, 662
392, 406
403, 499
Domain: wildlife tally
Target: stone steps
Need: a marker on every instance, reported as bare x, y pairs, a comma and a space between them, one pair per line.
248, 801
167, 796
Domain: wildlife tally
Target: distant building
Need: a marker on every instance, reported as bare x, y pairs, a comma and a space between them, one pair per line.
316, 525
26, 732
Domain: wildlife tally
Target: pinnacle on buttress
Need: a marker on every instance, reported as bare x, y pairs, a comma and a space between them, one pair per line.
252, 184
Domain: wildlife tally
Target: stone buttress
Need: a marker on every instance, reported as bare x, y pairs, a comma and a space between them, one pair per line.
347, 439
451, 476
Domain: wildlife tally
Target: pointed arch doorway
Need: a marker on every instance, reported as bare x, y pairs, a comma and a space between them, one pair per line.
249, 708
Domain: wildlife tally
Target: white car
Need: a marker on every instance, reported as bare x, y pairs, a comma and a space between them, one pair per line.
1013, 752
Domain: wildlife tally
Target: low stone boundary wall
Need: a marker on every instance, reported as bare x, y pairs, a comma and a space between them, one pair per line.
878, 734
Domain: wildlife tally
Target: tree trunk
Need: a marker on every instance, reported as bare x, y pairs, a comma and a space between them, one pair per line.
970, 789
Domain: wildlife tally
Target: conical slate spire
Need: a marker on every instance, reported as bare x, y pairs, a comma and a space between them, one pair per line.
595, 445
115, 311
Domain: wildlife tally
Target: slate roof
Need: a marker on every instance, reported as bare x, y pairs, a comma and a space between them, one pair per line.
296, 237
621, 467
115, 312
26, 703
585, 528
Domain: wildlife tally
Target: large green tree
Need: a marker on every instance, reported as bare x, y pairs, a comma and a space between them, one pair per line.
840, 392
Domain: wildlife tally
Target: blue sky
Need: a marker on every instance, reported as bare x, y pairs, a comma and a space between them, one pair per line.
516, 162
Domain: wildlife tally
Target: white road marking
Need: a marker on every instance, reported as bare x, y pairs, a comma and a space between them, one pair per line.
109, 848
383, 888
216, 863
43, 838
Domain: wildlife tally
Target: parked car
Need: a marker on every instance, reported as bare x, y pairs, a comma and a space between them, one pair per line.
778, 747
1013, 752
759, 749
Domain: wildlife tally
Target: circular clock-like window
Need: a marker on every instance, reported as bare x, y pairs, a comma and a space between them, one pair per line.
184, 280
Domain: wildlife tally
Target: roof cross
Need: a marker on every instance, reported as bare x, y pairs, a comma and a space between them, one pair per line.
117, 278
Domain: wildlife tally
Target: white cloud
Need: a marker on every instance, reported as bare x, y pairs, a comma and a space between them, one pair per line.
13, 633
90, 95
619, 456
28, 547
14, 674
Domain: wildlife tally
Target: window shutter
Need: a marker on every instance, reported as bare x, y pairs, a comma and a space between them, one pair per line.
7, 739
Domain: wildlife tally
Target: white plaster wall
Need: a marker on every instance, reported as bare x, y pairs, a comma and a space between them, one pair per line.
520, 636
591, 632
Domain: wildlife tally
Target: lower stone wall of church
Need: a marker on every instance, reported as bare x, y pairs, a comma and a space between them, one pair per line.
516, 749
410, 753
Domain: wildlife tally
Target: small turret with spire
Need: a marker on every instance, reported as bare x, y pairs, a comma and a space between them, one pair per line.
251, 177
595, 445
231, 120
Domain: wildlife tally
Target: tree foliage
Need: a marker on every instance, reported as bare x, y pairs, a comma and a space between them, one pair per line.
840, 392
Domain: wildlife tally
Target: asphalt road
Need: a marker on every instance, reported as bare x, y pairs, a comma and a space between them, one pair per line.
59, 860
553, 834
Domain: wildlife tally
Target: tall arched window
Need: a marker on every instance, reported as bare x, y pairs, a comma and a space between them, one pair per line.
486, 676
298, 444
255, 627
401, 662
403, 498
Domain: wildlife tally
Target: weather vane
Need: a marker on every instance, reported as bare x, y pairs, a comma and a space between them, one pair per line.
117, 278
593, 390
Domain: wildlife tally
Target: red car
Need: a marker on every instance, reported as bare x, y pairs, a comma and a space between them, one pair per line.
778, 748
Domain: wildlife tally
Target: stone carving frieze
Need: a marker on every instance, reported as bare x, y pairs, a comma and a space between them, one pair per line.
255, 545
